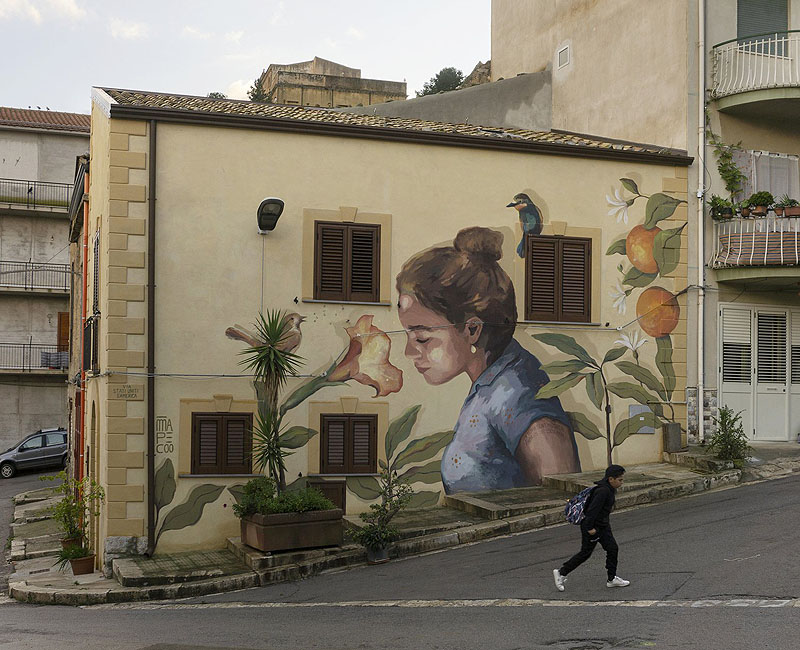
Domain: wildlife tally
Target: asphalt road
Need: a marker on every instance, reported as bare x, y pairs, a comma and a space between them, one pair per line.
714, 571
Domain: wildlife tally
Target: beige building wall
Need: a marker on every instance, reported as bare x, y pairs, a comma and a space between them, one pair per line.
626, 75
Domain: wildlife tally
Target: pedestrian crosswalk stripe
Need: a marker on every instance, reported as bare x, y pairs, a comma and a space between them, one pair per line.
462, 603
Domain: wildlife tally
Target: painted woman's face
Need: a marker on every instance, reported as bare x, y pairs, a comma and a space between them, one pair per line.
438, 348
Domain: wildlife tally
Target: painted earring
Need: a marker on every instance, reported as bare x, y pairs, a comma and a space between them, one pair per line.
473, 349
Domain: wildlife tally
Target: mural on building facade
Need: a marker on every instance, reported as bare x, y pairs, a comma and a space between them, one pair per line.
652, 253
530, 218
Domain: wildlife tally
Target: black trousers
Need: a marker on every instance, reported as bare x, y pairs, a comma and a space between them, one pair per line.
588, 542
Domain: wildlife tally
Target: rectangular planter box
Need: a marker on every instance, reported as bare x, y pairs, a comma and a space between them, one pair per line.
293, 530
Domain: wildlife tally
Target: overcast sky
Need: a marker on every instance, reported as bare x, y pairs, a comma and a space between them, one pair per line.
54, 51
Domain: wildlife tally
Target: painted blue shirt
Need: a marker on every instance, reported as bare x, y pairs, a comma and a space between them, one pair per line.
499, 409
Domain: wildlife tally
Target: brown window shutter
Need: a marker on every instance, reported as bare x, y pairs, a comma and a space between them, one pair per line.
575, 280
364, 443
542, 284
364, 246
333, 440
237, 443
330, 281
206, 444
63, 331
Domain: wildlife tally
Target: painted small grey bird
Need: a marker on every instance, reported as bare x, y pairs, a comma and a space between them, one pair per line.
529, 217
291, 340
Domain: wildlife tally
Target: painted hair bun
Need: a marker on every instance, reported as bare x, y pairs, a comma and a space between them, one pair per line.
480, 242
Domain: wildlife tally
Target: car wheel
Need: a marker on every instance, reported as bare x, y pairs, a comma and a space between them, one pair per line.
7, 470
64, 462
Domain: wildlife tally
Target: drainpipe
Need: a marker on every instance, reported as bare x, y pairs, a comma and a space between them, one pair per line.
701, 156
81, 427
151, 353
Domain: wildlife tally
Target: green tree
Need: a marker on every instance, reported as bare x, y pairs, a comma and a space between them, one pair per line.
257, 92
217, 95
445, 80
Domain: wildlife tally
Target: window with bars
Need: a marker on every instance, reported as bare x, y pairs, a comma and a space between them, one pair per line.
558, 279
347, 262
221, 443
348, 444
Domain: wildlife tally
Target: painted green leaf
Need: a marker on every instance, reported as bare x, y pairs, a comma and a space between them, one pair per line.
617, 248
567, 345
424, 499
164, 484
306, 390
635, 278
659, 207
558, 367
644, 376
667, 249
664, 363
583, 425
555, 387
237, 491
428, 473
628, 390
613, 354
364, 487
594, 388
189, 512
632, 425
630, 185
296, 437
382, 464
423, 449
399, 429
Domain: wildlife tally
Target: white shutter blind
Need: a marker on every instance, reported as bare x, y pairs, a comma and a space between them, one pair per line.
771, 367
776, 173
736, 345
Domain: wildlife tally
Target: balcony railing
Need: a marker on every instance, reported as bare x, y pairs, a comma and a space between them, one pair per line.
32, 356
756, 62
33, 275
767, 241
35, 194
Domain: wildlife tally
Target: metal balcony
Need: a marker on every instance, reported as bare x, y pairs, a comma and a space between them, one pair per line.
35, 194
763, 62
32, 356
34, 275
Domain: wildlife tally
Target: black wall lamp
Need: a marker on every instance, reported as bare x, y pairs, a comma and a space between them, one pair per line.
268, 214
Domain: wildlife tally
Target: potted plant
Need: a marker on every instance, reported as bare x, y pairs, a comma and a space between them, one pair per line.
743, 208
280, 521
80, 502
377, 533
787, 206
720, 208
760, 202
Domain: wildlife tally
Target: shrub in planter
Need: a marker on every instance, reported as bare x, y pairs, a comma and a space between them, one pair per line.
80, 558
80, 501
730, 441
720, 208
760, 202
787, 206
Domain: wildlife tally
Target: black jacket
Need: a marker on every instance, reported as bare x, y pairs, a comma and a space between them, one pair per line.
601, 503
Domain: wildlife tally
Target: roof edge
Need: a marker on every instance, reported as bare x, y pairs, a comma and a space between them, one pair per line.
103, 100
260, 122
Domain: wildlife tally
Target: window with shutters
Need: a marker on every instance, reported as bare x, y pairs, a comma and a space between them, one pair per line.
221, 443
96, 274
765, 20
346, 261
348, 444
558, 283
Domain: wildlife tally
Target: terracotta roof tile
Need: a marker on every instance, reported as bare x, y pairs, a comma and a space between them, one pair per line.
144, 100
51, 120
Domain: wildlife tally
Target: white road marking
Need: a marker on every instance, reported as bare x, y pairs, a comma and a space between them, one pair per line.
452, 604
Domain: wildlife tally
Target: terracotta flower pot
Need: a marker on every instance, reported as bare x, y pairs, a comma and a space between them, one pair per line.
794, 211
82, 565
778, 211
293, 530
745, 212
759, 210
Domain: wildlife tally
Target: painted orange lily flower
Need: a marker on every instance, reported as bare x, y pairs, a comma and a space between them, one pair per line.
367, 359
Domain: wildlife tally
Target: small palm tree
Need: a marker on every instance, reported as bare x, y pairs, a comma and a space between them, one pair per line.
272, 364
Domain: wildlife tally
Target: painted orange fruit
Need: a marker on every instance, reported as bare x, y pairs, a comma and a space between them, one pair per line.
658, 311
639, 248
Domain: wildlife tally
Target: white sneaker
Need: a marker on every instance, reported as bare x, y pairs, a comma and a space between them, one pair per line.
618, 582
559, 579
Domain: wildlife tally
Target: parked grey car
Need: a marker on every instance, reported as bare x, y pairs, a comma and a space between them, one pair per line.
45, 448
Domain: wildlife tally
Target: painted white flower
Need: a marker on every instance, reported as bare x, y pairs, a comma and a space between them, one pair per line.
619, 206
618, 295
632, 342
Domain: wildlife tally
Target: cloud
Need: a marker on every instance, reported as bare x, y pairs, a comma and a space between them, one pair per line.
19, 9
234, 37
193, 32
68, 8
279, 17
238, 89
127, 30
355, 33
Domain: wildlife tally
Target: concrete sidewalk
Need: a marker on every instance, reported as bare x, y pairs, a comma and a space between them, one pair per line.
464, 518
